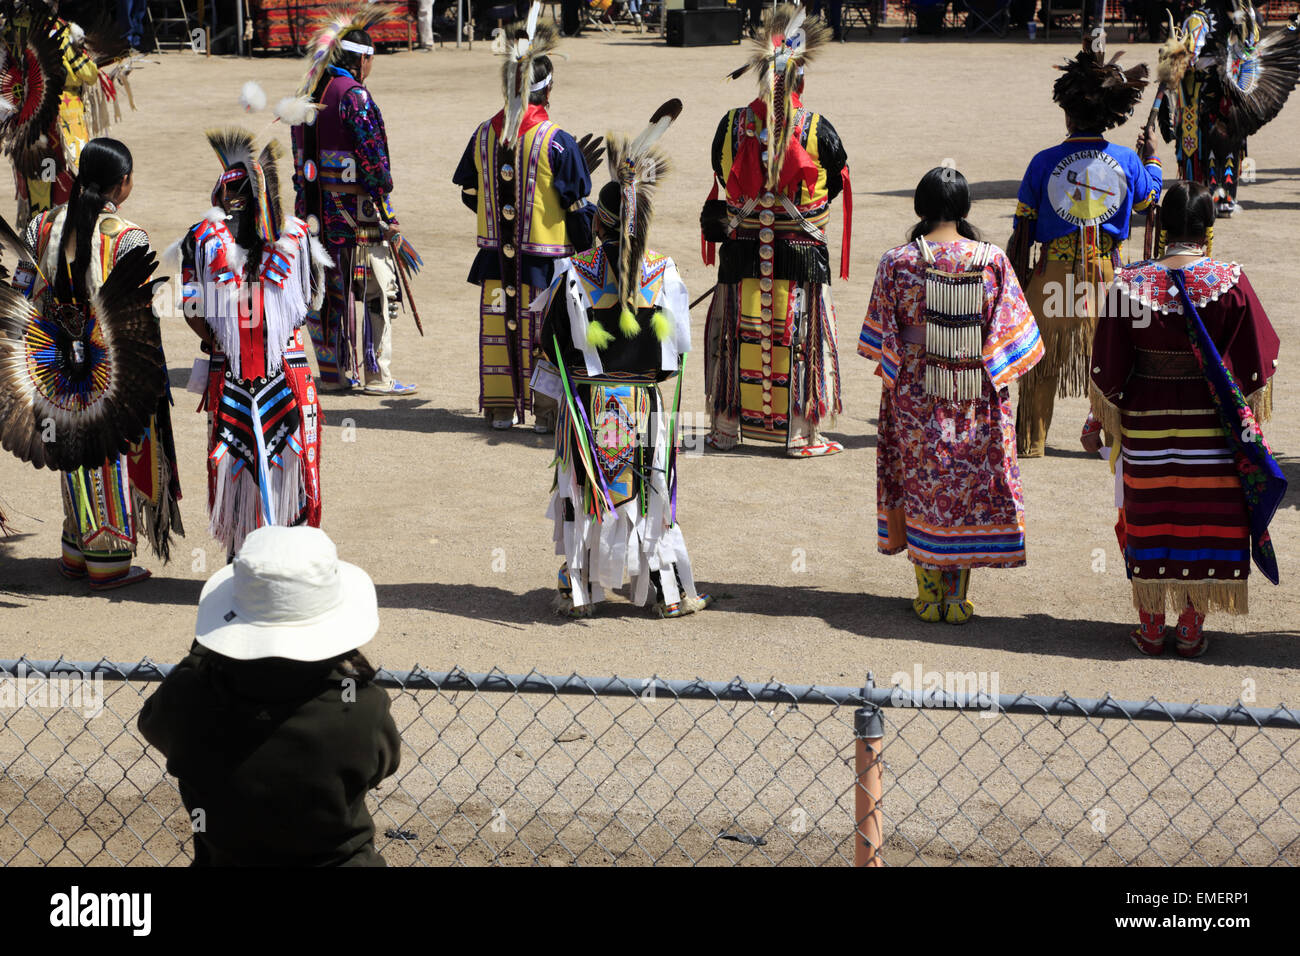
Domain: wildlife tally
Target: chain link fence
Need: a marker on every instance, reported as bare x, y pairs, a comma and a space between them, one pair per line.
500, 769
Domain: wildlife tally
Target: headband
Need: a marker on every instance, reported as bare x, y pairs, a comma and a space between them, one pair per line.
541, 84
361, 48
606, 216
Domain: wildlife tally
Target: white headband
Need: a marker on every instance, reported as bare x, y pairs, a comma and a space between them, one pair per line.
357, 48
541, 84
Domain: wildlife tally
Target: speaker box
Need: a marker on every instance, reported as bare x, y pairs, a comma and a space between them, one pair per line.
719, 27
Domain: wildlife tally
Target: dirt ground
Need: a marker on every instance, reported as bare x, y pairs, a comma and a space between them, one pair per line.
448, 517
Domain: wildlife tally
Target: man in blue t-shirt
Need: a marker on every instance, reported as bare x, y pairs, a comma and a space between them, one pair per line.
1075, 203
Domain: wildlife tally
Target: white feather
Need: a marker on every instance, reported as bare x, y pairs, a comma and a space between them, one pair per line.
169, 263
796, 23
319, 255
533, 13
295, 110
648, 137
252, 97
75, 34
216, 214
237, 256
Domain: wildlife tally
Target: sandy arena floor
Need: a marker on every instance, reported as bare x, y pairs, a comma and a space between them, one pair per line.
448, 516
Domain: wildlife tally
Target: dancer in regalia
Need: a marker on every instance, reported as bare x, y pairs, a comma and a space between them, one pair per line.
1182, 377
83, 378
1232, 80
617, 323
1075, 204
527, 180
771, 368
950, 329
86, 78
250, 278
343, 180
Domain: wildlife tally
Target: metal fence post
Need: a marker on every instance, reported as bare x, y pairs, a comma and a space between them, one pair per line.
868, 731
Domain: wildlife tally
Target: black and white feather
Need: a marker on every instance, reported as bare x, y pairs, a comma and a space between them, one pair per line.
638, 166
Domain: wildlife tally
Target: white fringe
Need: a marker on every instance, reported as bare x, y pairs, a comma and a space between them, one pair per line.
237, 505
284, 308
626, 545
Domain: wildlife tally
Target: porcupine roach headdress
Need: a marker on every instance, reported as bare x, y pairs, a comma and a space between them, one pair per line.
78, 386
1096, 93
638, 167
525, 41
234, 147
785, 42
325, 48
31, 85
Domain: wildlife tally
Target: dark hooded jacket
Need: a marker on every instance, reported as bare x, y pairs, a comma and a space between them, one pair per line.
274, 758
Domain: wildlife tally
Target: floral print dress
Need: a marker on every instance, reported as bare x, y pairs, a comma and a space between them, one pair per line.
947, 481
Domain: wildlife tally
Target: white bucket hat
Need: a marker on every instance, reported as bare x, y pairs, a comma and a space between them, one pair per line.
287, 595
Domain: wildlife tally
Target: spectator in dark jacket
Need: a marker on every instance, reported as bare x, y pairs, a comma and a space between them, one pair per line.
272, 725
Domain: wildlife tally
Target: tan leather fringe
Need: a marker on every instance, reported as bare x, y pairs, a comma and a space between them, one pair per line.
1104, 411
1261, 402
1161, 596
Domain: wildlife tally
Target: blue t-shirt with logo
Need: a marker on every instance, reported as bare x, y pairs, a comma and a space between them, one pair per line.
1087, 181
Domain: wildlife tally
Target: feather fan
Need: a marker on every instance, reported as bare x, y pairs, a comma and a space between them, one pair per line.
78, 387
1259, 76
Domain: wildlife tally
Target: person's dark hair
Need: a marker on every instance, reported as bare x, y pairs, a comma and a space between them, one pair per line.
610, 199
355, 664
542, 68
346, 58
1187, 212
942, 195
103, 165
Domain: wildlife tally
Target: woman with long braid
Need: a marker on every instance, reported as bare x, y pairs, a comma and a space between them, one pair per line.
76, 248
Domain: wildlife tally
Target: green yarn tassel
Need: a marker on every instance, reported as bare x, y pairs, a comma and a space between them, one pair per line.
661, 326
597, 337
627, 323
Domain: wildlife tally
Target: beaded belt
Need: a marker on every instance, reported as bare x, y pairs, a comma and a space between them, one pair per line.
577, 377
1150, 363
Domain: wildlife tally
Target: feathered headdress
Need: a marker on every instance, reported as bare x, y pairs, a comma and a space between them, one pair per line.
636, 166
326, 47
1096, 92
781, 47
525, 41
234, 147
